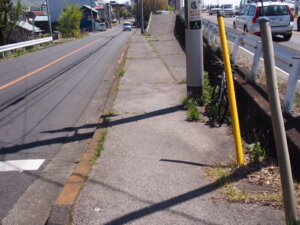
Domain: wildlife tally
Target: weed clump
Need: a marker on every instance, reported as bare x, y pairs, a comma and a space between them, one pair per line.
258, 151
191, 105
292, 222
207, 91
121, 73
192, 113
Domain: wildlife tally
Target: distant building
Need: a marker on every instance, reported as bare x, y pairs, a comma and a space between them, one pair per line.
42, 23
24, 32
44, 7
56, 6
176, 4
33, 14
90, 18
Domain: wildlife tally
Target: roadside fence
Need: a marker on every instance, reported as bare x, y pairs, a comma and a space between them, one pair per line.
286, 59
22, 45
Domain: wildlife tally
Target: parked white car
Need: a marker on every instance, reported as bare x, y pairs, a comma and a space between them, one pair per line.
228, 10
127, 26
214, 9
102, 27
279, 14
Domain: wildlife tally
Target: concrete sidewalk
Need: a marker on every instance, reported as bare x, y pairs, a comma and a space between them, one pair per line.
151, 169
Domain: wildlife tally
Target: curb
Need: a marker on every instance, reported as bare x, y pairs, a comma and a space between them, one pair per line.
62, 210
150, 19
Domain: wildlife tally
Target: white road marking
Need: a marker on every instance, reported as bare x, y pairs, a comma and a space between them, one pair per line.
20, 165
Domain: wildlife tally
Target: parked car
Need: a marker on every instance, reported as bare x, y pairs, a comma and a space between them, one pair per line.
162, 12
102, 27
279, 13
213, 9
134, 24
126, 26
228, 10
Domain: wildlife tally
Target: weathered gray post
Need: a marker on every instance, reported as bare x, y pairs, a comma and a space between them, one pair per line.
194, 48
277, 122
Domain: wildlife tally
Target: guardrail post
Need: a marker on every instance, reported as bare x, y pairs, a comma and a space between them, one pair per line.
204, 28
235, 48
292, 85
256, 60
287, 185
208, 33
212, 36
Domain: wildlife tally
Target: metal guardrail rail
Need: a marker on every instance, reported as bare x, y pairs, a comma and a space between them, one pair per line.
286, 59
11, 47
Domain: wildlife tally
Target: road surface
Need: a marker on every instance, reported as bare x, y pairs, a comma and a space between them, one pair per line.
50, 103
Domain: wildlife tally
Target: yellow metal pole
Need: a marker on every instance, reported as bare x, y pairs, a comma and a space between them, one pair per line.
231, 93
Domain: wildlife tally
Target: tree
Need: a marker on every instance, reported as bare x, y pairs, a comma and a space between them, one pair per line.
125, 13
69, 21
9, 16
151, 5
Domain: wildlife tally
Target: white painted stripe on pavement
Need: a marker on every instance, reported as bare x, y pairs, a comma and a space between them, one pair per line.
20, 165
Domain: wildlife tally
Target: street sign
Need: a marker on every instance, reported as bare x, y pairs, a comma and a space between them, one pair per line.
194, 14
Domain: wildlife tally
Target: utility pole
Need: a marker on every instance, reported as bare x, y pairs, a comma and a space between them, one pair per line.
49, 18
108, 14
142, 17
92, 19
153, 6
194, 48
137, 20
33, 30
297, 5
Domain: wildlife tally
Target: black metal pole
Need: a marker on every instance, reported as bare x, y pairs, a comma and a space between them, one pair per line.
142, 17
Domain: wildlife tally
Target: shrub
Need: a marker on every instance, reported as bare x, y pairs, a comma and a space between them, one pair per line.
69, 21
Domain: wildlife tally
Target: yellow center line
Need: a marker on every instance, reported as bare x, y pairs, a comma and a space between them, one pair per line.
48, 65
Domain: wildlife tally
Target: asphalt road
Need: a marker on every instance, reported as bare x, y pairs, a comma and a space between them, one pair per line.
50, 101
294, 42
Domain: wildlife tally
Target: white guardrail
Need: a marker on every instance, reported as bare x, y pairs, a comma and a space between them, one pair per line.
286, 59
149, 23
10, 47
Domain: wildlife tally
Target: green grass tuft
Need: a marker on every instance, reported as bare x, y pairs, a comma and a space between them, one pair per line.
257, 150
292, 222
101, 140
182, 82
192, 113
